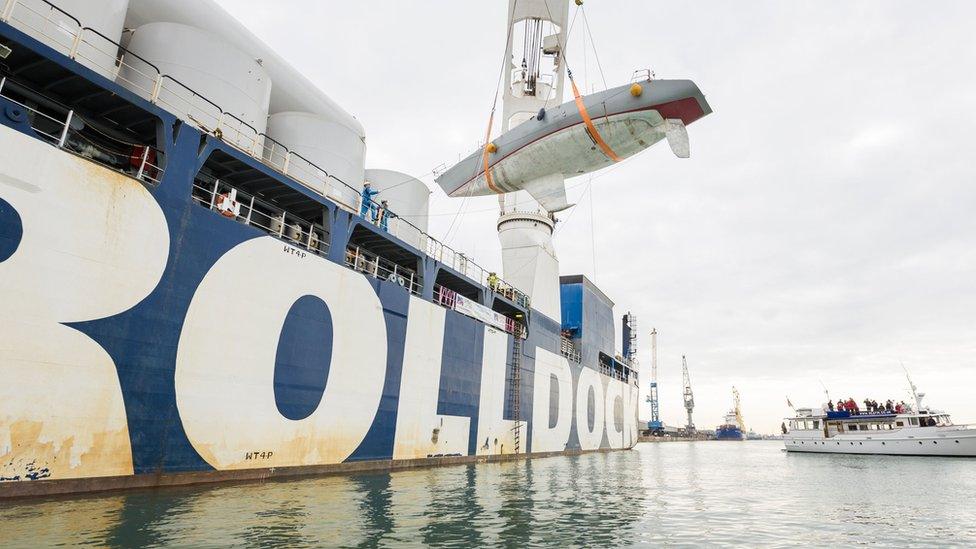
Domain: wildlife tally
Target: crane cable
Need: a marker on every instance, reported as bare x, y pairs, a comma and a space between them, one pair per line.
494, 103
590, 127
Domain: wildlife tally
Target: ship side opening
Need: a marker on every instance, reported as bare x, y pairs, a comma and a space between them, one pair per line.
447, 283
76, 113
373, 252
235, 189
616, 369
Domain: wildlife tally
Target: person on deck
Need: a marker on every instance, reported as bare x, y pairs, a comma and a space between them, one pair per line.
368, 205
867, 404
384, 214
852, 406
493, 281
830, 405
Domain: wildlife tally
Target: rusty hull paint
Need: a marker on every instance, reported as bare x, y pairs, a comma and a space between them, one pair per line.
54, 487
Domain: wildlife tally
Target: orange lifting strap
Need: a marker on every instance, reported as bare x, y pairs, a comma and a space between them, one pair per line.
491, 184
590, 128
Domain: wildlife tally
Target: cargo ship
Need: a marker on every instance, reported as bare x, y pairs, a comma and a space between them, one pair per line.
197, 285
734, 426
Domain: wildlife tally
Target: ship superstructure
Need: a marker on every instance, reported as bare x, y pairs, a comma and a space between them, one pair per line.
195, 287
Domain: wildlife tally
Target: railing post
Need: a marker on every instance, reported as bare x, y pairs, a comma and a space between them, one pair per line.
250, 209
118, 66
281, 226
75, 43
142, 165
2, 82
213, 195
308, 245
157, 87
8, 10
284, 169
64, 132
411, 282
219, 126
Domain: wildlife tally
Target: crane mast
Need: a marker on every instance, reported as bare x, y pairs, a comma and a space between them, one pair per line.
738, 410
688, 395
654, 425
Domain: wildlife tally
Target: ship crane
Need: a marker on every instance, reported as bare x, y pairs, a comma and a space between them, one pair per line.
654, 425
688, 395
738, 410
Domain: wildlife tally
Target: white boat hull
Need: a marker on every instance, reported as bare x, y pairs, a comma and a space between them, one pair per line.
922, 441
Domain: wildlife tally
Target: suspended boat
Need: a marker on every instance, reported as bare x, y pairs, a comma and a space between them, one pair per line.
578, 137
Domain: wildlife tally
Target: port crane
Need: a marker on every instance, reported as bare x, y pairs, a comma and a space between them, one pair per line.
689, 397
654, 425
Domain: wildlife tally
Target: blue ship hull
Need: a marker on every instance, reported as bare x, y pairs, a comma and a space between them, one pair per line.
728, 432
154, 341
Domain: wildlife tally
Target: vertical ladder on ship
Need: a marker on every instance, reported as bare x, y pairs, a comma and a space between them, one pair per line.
516, 387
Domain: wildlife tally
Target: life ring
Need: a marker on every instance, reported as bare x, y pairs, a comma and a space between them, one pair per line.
226, 206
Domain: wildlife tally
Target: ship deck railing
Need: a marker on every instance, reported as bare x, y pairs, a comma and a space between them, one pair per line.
569, 350
446, 297
255, 212
74, 40
379, 267
142, 162
616, 374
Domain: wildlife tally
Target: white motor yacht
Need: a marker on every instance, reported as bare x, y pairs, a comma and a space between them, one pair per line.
916, 432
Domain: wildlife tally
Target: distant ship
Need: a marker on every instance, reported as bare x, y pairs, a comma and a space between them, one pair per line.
729, 430
734, 426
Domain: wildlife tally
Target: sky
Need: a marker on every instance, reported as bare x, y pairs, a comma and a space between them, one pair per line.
822, 233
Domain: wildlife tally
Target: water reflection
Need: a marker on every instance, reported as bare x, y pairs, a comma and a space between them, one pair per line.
674, 493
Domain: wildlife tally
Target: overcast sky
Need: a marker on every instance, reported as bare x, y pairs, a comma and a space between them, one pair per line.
823, 228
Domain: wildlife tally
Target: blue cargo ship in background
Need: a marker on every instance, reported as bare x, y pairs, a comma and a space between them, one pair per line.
194, 286
734, 426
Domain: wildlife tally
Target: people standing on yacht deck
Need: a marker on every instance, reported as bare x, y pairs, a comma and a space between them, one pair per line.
852, 406
889, 406
830, 405
867, 404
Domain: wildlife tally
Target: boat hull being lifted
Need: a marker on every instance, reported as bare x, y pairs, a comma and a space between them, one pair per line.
539, 154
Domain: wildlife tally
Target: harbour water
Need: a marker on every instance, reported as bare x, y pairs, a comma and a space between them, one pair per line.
681, 494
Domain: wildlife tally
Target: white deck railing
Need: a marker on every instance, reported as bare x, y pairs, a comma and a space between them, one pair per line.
141, 162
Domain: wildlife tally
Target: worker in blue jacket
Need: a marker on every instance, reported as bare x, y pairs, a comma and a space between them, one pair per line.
368, 205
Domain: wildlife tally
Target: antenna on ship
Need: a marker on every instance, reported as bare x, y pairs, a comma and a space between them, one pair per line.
915, 394
826, 392
688, 395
